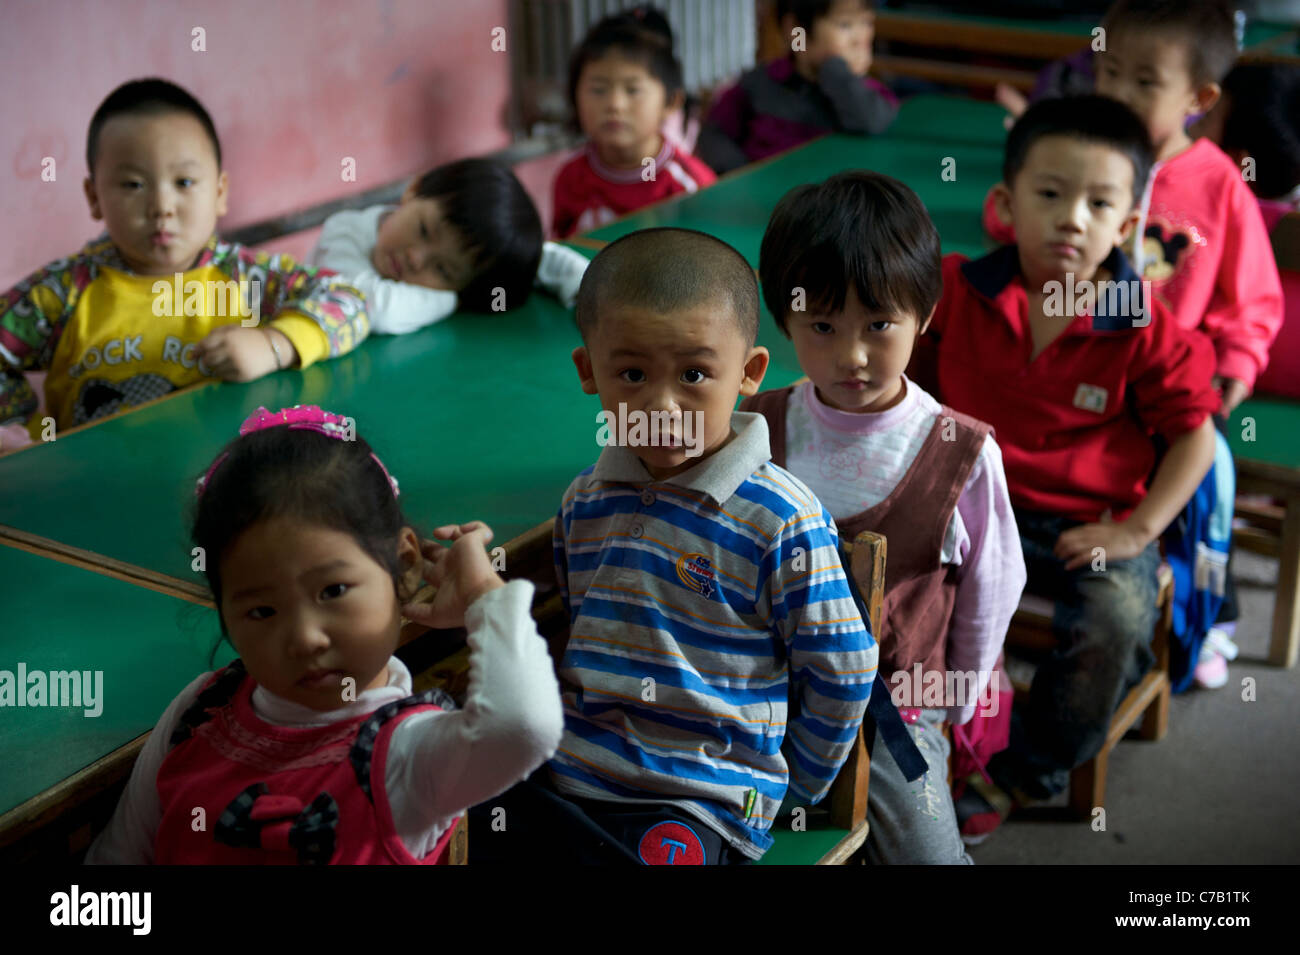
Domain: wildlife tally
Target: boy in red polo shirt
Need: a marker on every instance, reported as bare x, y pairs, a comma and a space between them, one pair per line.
1058, 344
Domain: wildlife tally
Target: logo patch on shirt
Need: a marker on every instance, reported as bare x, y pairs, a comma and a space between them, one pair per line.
670, 843
695, 572
1090, 398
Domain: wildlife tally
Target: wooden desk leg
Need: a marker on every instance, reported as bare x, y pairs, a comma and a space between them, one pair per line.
1286, 611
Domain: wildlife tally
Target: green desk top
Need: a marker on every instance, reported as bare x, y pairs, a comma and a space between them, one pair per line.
478, 417
800, 848
737, 207
1276, 436
147, 645
950, 119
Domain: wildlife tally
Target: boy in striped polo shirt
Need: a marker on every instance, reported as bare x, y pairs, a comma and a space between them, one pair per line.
706, 598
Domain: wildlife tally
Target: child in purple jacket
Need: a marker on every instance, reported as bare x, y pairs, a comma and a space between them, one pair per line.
821, 87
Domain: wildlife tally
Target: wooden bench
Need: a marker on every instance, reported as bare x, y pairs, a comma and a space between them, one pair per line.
1031, 630
1273, 529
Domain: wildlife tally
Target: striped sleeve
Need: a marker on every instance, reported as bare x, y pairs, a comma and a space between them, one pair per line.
831, 651
293, 290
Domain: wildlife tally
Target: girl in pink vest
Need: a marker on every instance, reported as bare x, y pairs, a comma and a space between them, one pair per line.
310, 748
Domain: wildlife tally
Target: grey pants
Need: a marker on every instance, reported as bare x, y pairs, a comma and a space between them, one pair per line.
914, 823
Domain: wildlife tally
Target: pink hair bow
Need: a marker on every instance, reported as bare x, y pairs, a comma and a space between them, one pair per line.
298, 418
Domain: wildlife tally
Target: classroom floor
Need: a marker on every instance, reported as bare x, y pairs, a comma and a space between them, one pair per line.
1222, 787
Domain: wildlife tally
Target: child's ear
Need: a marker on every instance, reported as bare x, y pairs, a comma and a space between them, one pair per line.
223, 192
409, 192
92, 197
755, 368
410, 558
586, 374
1002, 203
925, 324
1206, 95
1129, 224
676, 102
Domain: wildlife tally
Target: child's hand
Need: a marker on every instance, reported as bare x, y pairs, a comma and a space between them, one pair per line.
1117, 542
237, 353
462, 573
13, 437
1012, 100
1234, 392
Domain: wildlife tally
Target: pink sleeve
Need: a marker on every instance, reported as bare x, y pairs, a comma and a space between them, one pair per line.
990, 577
1245, 311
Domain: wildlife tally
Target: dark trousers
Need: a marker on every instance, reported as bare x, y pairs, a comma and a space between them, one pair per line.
1103, 624
533, 823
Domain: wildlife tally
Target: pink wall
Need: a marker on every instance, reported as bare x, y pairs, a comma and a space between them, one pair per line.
292, 85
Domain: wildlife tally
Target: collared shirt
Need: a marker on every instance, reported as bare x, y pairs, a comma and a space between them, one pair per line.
1075, 423
701, 605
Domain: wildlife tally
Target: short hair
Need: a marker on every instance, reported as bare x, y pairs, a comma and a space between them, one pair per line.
641, 35
1263, 120
860, 228
808, 12
150, 96
1204, 27
1088, 119
489, 207
666, 270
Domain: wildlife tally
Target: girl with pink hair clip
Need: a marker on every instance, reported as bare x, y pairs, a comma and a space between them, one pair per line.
310, 747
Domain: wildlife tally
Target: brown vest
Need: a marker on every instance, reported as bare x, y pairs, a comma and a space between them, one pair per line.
919, 590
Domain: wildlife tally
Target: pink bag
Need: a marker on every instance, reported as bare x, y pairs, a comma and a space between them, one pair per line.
987, 734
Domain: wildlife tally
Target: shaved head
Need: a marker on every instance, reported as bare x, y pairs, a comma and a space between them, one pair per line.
667, 270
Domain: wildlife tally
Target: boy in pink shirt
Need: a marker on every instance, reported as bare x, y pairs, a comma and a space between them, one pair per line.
1203, 242
851, 270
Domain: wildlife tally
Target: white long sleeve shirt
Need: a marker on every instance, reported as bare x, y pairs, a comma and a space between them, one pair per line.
348, 238
439, 763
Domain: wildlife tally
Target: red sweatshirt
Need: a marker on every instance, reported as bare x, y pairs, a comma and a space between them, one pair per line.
1074, 424
589, 194
1207, 255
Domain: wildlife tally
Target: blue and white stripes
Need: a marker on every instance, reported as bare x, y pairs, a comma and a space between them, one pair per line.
699, 608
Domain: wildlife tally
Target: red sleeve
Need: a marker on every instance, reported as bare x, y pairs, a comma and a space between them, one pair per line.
1171, 385
698, 169
567, 205
924, 366
1245, 310
995, 227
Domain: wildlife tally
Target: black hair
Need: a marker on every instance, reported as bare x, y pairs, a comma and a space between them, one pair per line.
641, 35
1263, 120
486, 204
857, 228
1205, 28
808, 12
303, 475
1089, 119
147, 96
665, 270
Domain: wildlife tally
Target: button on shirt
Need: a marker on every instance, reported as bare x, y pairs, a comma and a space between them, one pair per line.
696, 604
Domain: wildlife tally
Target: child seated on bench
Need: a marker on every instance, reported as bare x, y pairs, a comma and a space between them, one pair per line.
1057, 344
851, 270
708, 606
160, 302
464, 235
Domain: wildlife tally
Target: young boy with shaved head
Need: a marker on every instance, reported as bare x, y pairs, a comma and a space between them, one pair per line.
706, 599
